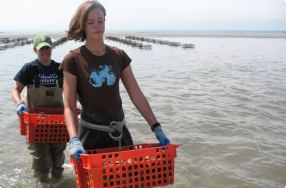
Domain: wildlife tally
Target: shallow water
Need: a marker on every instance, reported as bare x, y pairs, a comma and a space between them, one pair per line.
224, 101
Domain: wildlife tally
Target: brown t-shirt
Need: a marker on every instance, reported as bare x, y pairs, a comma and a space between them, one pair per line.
98, 79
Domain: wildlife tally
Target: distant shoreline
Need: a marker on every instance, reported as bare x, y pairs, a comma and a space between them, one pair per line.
198, 35
203, 34
166, 34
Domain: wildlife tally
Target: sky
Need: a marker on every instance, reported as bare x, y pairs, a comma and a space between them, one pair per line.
55, 15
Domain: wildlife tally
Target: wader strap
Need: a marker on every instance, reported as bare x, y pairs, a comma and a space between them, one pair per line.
36, 73
112, 127
60, 78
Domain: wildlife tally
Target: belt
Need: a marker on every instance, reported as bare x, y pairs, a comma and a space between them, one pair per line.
112, 127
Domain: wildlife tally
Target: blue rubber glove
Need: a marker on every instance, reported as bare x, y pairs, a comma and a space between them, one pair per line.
21, 108
161, 136
75, 148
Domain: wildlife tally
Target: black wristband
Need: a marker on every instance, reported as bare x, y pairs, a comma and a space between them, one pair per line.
155, 125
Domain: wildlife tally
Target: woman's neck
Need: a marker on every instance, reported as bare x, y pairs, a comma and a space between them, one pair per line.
96, 47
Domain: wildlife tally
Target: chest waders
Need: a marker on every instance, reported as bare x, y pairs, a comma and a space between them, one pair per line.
40, 97
46, 157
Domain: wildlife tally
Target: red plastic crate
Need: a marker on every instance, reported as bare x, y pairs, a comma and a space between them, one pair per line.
143, 165
44, 127
23, 126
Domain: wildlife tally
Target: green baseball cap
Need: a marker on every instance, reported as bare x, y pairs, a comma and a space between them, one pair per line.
42, 40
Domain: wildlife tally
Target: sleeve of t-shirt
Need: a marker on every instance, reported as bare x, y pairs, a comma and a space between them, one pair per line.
69, 64
25, 75
126, 60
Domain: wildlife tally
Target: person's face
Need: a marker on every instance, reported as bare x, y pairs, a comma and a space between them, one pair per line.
95, 24
44, 55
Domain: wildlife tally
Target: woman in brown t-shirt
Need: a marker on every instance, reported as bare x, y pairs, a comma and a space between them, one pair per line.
92, 73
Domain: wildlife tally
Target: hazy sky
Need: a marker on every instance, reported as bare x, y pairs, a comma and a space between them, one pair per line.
55, 15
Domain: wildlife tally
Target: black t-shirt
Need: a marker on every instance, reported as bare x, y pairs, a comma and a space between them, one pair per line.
49, 75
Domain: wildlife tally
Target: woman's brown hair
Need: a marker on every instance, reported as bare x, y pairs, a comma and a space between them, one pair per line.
76, 29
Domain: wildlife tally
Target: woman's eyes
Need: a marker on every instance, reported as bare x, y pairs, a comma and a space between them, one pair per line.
98, 21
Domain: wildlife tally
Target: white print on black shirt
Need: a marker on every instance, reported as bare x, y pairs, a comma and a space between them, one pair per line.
47, 80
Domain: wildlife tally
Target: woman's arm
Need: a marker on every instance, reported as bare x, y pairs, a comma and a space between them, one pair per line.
136, 95
16, 91
70, 97
141, 103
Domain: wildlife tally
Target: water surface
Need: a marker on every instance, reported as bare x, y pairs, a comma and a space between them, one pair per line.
224, 100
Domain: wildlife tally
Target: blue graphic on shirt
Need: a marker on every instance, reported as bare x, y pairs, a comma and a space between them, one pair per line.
103, 76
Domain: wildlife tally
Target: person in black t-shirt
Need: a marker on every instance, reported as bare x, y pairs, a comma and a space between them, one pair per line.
42, 78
